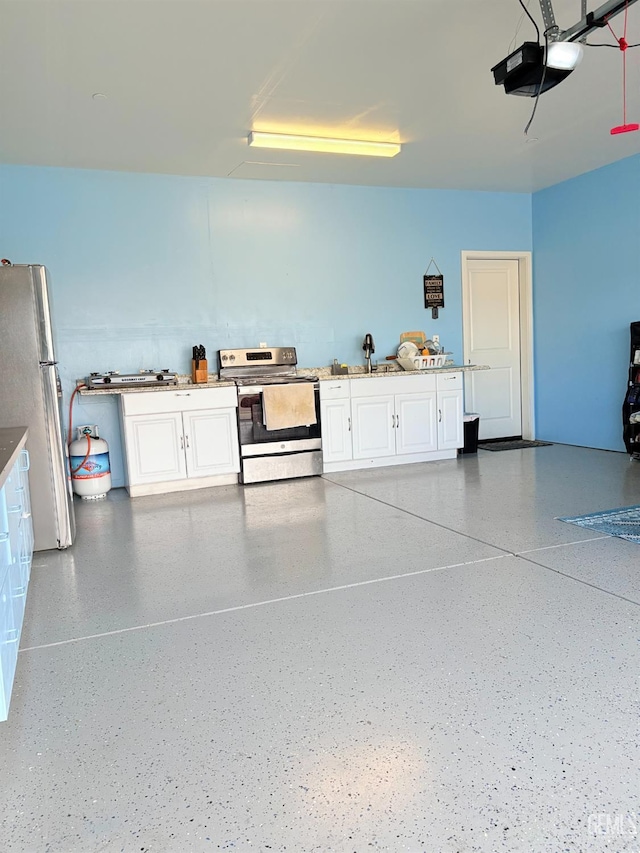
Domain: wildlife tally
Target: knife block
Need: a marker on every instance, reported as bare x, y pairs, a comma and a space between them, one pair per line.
200, 373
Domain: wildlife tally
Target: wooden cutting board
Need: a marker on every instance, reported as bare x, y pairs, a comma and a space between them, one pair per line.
417, 338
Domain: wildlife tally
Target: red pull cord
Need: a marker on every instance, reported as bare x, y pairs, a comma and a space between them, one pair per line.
623, 45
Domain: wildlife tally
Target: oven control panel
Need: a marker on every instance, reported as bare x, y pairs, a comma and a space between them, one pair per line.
277, 356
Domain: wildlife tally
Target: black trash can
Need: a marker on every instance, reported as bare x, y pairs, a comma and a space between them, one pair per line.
471, 428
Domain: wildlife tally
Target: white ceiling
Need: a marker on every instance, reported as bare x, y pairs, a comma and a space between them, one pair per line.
186, 80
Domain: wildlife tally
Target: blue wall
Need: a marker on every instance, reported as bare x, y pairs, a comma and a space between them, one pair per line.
586, 238
145, 266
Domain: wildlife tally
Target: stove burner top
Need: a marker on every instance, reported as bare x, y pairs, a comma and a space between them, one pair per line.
144, 377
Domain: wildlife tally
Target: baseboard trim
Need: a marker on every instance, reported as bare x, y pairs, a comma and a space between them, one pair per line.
182, 485
386, 461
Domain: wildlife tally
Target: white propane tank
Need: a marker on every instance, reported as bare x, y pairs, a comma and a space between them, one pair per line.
90, 474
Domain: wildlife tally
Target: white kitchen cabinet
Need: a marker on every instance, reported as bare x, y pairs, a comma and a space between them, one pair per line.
416, 430
374, 423
450, 430
450, 412
335, 417
211, 442
16, 551
394, 425
177, 440
155, 448
391, 421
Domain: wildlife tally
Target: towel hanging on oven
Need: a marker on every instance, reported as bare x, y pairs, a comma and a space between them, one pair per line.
286, 406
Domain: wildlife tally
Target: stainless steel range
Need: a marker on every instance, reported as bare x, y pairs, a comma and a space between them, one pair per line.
278, 414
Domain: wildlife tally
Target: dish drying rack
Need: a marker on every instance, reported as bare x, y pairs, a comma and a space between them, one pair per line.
421, 362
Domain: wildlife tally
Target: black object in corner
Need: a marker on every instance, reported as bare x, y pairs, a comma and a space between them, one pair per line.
631, 405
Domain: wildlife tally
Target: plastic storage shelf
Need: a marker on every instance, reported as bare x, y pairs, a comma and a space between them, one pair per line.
16, 551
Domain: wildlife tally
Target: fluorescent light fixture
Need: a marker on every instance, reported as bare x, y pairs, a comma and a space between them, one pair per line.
291, 142
564, 55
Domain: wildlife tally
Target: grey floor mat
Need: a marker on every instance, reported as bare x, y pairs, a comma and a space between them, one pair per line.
516, 444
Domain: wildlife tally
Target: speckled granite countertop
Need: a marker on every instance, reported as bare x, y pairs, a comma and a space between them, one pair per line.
12, 441
358, 372
323, 373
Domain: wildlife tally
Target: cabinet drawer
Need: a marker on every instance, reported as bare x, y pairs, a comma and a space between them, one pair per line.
375, 387
188, 399
449, 381
393, 385
334, 390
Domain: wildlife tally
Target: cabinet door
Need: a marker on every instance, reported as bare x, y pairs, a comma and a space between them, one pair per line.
155, 448
9, 637
450, 429
416, 423
335, 417
16, 506
373, 420
211, 442
5, 544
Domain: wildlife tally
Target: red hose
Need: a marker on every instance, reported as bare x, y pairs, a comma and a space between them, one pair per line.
75, 470
69, 437
73, 396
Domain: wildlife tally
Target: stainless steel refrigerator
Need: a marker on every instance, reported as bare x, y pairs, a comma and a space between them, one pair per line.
31, 396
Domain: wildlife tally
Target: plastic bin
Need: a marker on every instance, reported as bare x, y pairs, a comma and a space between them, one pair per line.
471, 422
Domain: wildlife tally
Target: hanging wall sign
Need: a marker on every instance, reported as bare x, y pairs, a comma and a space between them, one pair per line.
433, 290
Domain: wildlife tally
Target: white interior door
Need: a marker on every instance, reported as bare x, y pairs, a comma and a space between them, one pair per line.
492, 337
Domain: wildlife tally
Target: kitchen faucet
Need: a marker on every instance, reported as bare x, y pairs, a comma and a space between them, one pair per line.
369, 349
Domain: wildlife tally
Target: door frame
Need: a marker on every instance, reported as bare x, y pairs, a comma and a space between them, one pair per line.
525, 283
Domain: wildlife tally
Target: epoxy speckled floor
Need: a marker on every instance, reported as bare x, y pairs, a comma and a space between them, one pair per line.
408, 659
